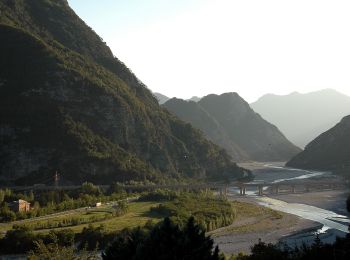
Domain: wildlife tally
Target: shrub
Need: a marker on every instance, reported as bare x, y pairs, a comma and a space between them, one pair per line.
7, 215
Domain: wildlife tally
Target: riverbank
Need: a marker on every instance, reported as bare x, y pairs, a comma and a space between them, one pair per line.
333, 200
299, 214
254, 222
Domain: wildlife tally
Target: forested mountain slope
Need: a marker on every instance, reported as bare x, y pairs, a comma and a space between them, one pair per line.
195, 114
329, 151
230, 122
68, 105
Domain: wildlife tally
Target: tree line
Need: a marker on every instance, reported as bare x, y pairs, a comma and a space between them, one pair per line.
48, 202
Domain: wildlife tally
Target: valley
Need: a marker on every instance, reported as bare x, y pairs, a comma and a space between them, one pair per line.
291, 217
95, 164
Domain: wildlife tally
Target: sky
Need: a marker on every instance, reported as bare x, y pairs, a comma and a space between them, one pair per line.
188, 48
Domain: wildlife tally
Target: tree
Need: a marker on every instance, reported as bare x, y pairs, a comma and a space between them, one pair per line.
63, 237
91, 189
18, 240
126, 245
31, 196
7, 215
262, 251
164, 241
54, 251
2, 196
194, 237
92, 237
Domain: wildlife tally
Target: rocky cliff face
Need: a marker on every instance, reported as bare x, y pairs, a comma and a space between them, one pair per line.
230, 122
68, 105
329, 151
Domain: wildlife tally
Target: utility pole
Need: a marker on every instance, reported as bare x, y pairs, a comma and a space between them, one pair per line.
56, 179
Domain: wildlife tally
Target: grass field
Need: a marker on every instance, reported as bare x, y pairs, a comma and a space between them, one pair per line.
138, 214
251, 218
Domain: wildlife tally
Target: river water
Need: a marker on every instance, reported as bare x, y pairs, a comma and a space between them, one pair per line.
332, 224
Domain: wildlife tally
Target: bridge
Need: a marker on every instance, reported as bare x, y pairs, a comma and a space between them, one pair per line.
290, 187
261, 189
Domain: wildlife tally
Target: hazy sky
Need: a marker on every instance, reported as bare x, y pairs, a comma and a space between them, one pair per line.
184, 48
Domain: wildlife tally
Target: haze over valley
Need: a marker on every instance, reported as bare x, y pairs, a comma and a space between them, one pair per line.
302, 117
97, 164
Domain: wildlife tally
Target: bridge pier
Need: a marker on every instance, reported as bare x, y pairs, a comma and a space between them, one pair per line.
223, 192
293, 188
274, 189
307, 188
260, 190
242, 190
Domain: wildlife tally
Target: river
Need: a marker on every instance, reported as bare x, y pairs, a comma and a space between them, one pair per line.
332, 222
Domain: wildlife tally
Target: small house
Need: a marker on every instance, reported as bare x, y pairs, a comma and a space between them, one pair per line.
20, 206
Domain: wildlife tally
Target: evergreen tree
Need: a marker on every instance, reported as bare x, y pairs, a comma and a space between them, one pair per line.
166, 241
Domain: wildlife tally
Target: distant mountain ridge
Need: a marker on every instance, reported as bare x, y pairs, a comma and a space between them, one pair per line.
195, 114
68, 105
161, 98
329, 151
302, 117
194, 98
229, 121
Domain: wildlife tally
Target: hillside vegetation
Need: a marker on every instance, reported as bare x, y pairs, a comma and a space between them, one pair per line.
329, 151
100, 225
228, 121
68, 105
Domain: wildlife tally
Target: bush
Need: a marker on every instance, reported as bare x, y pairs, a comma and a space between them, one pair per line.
208, 211
7, 215
92, 238
63, 237
55, 251
18, 240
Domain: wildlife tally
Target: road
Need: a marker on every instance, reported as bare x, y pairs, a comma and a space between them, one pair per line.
64, 213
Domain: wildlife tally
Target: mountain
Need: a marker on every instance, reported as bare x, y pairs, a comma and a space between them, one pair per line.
195, 114
161, 98
329, 151
302, 117
68, 105
194, 98
229, 121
